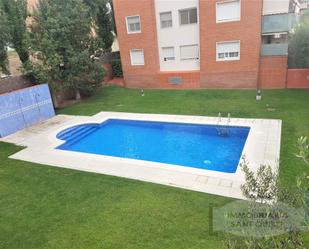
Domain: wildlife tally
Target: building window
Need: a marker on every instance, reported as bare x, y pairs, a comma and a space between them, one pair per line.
189, 52
166, 20
228, 11
137, 57
276, 38
228, 51
188, 16
133, 24
168, 53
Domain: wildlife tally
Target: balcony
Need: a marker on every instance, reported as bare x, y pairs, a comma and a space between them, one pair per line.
279, 23
274, 49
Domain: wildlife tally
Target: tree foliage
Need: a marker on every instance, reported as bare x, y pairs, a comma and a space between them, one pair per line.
105, 26
4, 40
16, 12
299, 44
63, 47
103, 20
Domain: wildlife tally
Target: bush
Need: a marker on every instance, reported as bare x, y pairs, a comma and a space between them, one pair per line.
89, 81
117, 68
260, 186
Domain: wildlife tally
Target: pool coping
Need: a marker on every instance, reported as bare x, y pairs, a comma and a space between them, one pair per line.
262, 148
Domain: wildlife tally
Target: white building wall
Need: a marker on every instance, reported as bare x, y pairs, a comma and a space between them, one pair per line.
275, 6
177, 35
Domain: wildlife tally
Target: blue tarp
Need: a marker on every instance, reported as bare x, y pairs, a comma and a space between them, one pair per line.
24, 108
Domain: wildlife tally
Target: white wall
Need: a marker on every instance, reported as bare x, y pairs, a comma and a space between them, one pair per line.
275, 6
177, 35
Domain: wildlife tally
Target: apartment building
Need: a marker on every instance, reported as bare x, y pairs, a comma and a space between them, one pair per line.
205, 43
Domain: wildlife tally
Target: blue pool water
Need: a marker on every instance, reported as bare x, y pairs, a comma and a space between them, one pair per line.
191, 145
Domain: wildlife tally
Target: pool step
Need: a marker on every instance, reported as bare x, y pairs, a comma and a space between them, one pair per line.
76, 132
67, 132
71, 132
81, 134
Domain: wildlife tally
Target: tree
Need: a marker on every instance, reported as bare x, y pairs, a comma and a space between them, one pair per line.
103, 20
63, 48
4, 40
105, 26
16, 12
113, 17
299, 44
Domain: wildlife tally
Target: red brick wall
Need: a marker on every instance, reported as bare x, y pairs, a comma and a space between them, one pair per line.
244, 72
273, 70
298, 78
13, 83
138, 76
108, 72
189, 80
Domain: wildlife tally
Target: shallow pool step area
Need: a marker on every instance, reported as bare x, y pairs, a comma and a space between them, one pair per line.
73, 134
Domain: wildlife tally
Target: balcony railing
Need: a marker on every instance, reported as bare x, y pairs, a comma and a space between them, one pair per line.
274, 49
279, 23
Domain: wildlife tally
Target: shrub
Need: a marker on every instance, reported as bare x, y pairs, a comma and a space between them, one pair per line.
117, 68
91, 80
260, 186
303, 147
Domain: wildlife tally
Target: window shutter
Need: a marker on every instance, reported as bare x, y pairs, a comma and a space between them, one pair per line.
133, 23
184, 17
168, 53
166, 19
133, 20
189, 52
227, 47
228, 11
137, 57
228, 50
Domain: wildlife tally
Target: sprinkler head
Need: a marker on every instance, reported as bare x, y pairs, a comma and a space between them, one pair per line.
258, 95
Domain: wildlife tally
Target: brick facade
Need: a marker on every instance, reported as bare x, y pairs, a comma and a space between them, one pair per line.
213, 74
146, 76
242, 73
273, 72
189, 80
298, 78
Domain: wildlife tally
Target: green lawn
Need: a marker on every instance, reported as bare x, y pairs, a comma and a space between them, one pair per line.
46, 207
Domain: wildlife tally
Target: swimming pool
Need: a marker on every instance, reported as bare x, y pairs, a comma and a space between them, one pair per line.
209, 147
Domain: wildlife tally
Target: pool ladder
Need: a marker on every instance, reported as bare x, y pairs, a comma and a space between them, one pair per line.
223, 130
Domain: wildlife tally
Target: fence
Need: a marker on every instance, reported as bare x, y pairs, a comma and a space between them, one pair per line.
24, 108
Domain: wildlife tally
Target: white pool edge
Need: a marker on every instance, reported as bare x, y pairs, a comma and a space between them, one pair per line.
262, 147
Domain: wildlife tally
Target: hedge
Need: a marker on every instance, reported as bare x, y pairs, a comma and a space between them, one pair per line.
117, 68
